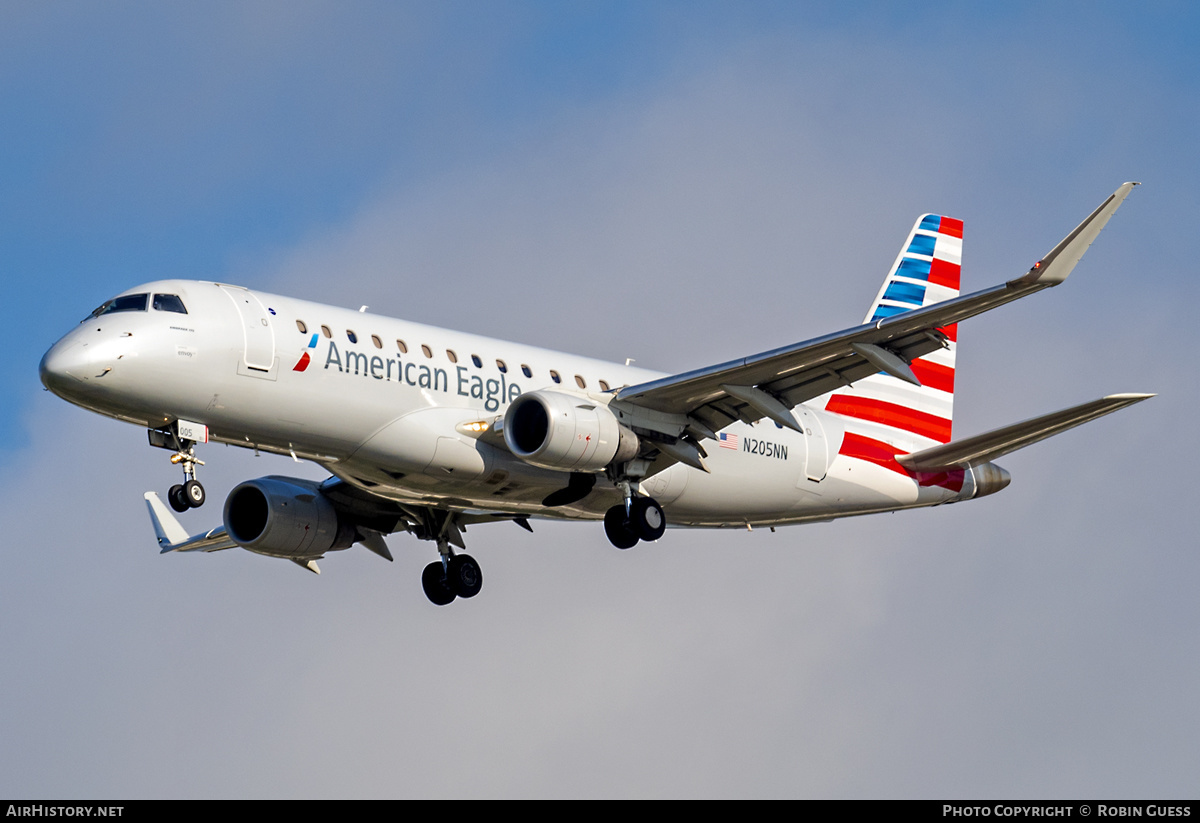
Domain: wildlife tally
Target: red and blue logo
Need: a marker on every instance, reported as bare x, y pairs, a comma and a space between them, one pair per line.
302, 364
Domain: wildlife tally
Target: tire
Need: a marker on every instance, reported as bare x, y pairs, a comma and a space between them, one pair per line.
433, 580
177, 498
193, 493
464, 576
648, 521
618, 528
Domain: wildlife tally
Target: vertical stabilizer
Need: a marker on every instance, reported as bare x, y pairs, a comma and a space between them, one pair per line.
886, 409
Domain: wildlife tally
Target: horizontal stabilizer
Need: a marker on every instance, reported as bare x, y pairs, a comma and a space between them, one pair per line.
172, 537
983, 448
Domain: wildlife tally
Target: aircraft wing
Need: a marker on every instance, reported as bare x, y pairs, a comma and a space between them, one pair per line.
770, 383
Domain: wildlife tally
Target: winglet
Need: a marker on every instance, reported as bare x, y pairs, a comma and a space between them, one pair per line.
166, 527
173, 538
1055, 266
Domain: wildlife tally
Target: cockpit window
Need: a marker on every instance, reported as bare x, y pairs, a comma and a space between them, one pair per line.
169, 302
127, 302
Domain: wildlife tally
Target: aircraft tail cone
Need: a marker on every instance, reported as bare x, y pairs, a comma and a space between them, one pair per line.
989, 479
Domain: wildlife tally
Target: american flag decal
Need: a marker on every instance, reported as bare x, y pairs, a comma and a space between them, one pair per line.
728, 441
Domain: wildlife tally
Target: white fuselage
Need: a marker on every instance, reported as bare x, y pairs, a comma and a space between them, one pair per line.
381, 403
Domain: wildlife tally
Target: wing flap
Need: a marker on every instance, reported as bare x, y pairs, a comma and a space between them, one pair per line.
986, 447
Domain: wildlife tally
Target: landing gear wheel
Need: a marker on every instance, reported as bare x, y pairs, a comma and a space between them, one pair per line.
433, 580
463, 576
193, 492
618, 528
646, 518
178, 499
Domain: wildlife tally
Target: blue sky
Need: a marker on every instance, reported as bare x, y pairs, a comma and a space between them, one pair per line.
678, 182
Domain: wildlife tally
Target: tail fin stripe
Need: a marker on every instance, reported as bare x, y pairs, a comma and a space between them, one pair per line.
949, 249
951, 226
922, 398
890, 414
938, 270
887, 311
883, 455
934, 375
871, 450
914, 268
904, 292
944, 273
922, 244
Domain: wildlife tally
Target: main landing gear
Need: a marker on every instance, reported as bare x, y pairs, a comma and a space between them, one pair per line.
453, 576
638, 518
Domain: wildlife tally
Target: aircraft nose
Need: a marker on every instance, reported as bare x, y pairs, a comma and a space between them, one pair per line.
64, 366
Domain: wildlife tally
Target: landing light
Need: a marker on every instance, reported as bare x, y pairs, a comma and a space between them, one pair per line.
474, 427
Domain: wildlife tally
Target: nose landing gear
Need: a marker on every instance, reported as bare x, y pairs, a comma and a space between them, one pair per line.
189, 494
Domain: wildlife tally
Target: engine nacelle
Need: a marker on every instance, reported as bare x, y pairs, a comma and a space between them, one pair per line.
565, 432
284, 517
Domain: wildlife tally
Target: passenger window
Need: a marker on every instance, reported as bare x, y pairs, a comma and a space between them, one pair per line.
525, 370
579, 382
477, 361
169, 302
303, 328
130, 302
554, 376
378, 343
604, 386
402, 346
325, 331
500, 365
351, 336
428, 351
453, 357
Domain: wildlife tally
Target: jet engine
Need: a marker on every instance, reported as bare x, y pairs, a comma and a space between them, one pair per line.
565, 432
285, 517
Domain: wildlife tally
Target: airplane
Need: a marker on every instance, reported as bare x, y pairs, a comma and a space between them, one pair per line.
429, 431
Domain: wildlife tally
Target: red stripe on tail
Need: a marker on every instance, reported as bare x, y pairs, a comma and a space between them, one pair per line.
934, 375
890, 414
944, 273
952, 227
883, 455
